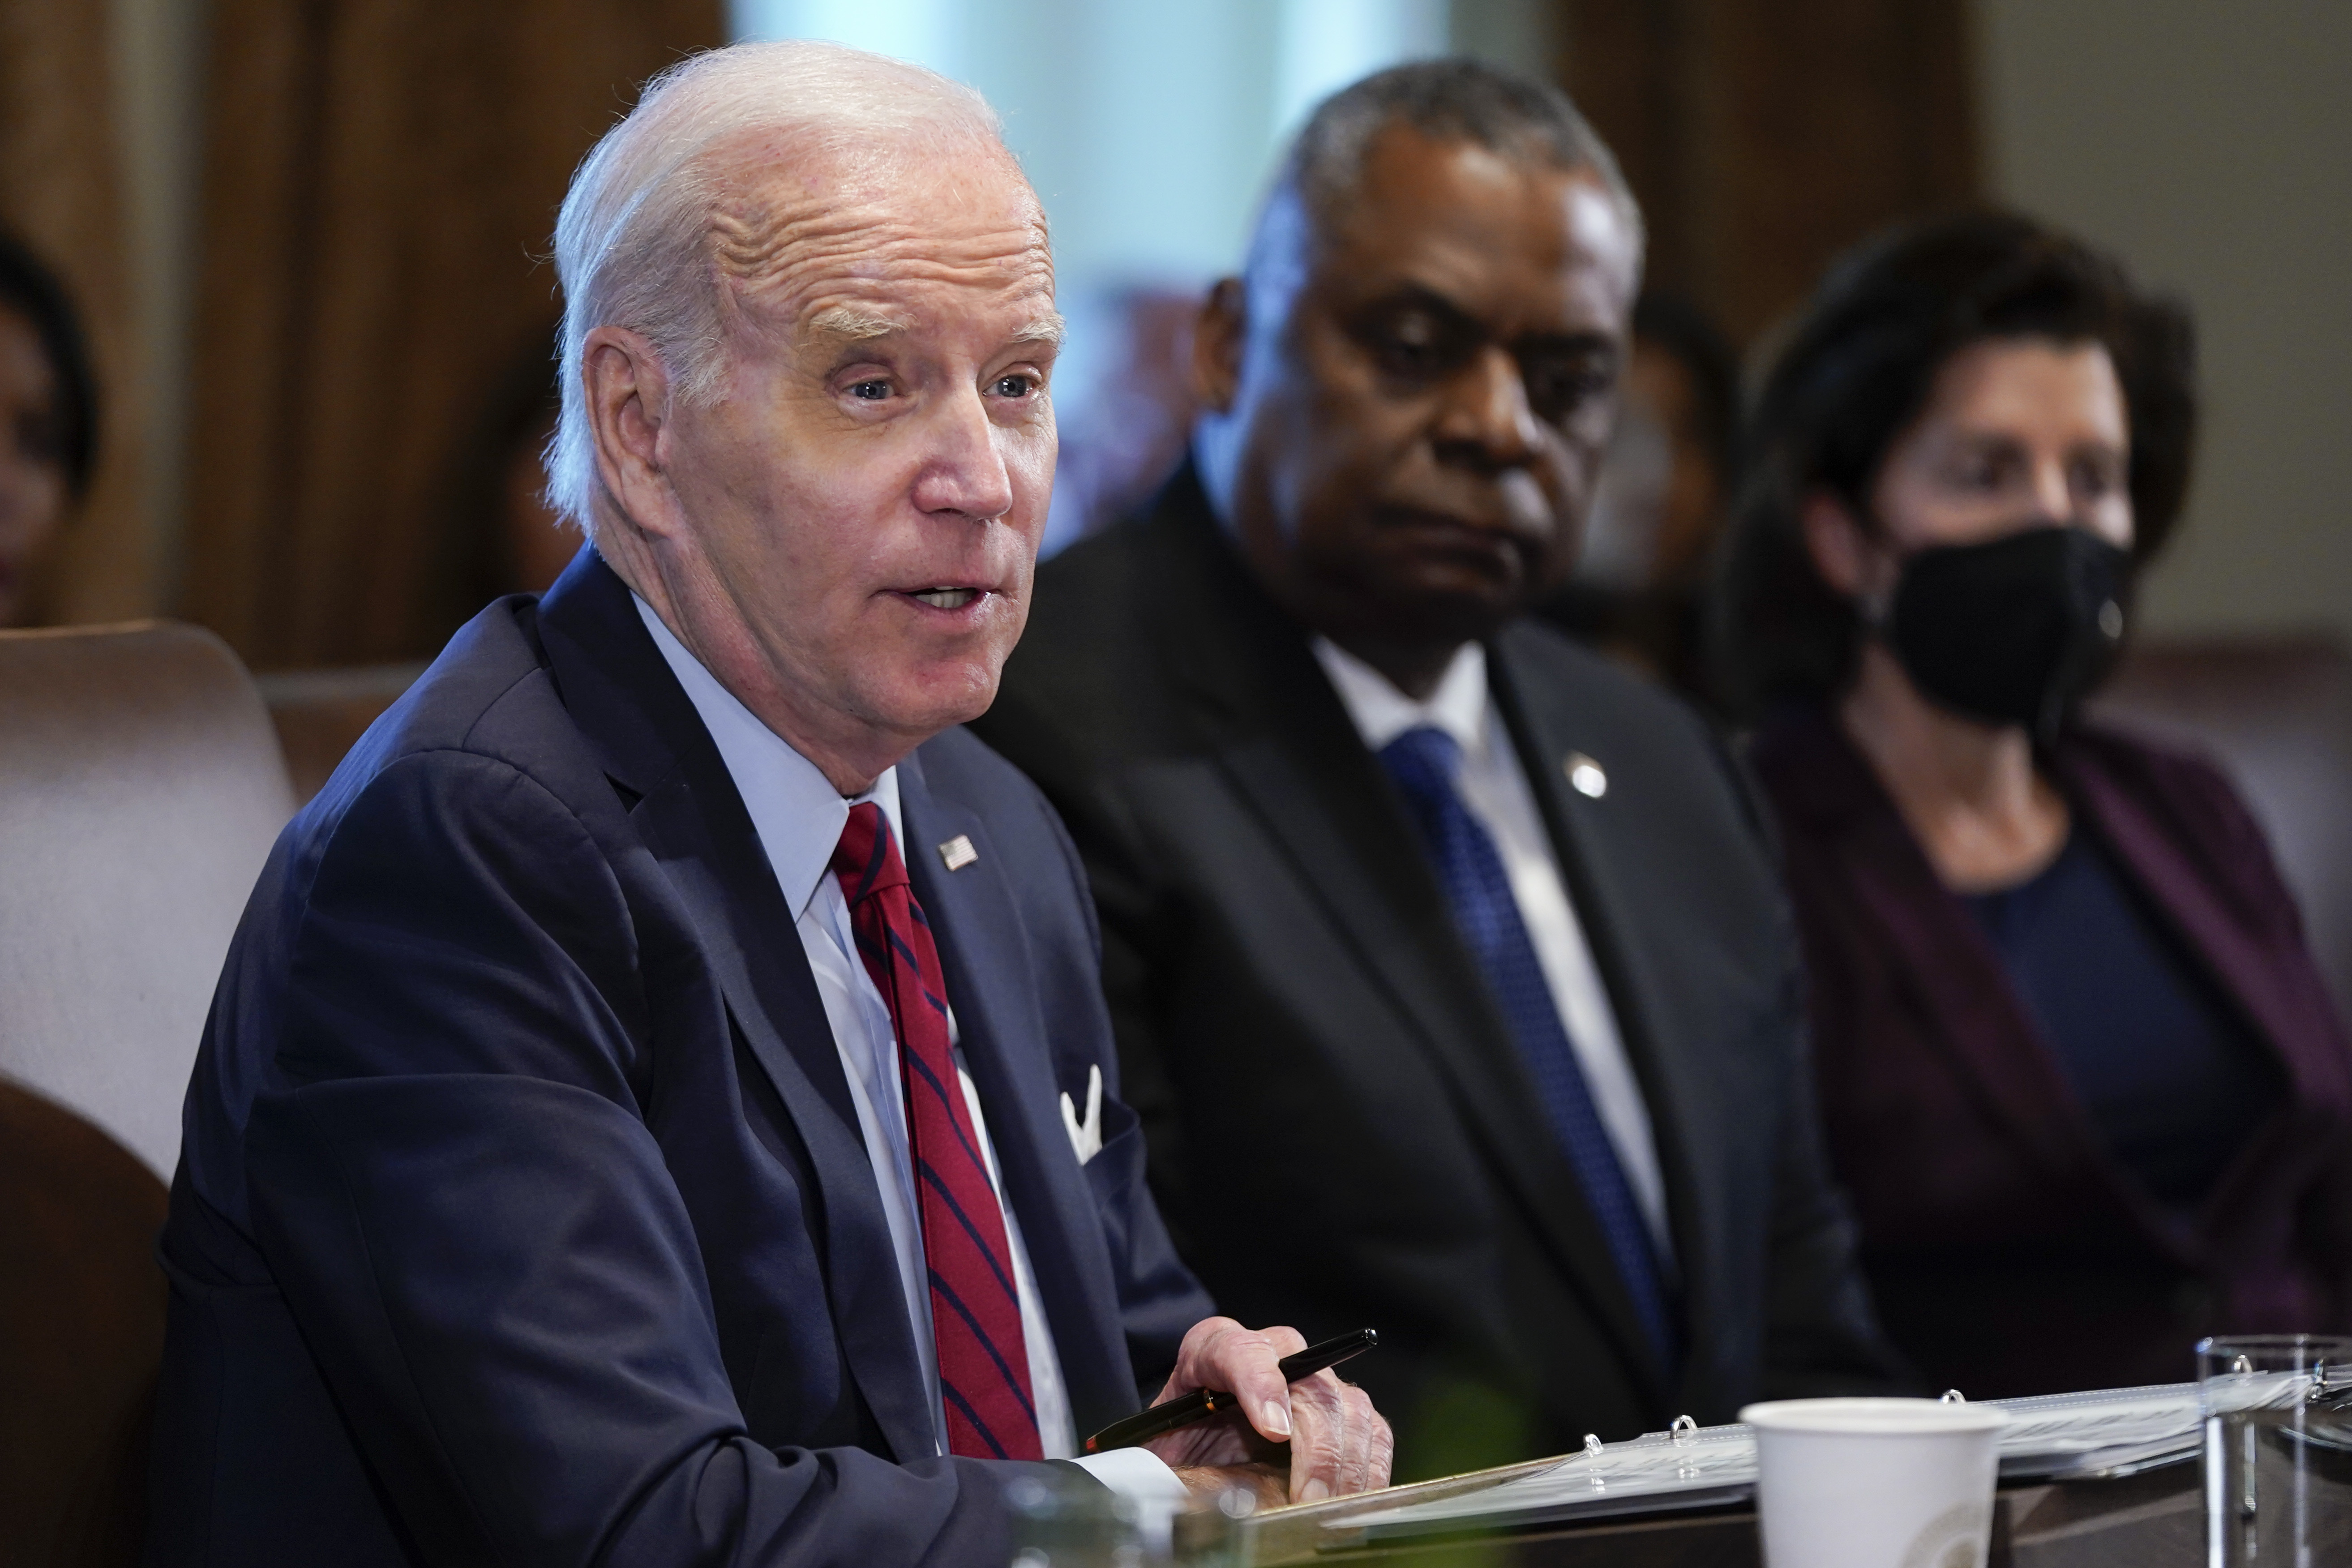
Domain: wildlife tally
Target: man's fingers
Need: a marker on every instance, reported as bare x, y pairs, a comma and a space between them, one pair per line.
1251, 1362
1343, 1446
1318, 1450
1348, 1432
1374, 1446
1261, 1481
1285, 1340
1219, 1354
1338, 1443
1273, 1405
1270, 1390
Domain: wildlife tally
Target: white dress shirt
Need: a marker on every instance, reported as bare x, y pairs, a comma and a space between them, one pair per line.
1494, 790
799, 816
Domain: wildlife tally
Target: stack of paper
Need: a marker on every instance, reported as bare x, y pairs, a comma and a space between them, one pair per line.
2108, 1433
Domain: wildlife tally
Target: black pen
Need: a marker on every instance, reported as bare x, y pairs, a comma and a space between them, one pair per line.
1206, 1402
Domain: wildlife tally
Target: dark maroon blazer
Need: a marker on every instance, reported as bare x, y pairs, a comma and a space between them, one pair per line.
2009, 1251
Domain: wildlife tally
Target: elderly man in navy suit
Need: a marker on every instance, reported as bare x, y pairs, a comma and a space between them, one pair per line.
660, 1108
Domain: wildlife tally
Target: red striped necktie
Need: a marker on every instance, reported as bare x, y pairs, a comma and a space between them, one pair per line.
975, 1309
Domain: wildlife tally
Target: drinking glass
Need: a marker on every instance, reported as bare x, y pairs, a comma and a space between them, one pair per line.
2278, 1450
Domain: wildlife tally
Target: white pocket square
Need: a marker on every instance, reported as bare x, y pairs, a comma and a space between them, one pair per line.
1085, 1136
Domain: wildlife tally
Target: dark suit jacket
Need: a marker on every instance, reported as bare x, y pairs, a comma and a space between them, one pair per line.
524, 1214
1341, 1131
2009, 1251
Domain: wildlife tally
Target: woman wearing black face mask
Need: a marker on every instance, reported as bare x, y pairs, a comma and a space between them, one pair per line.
2077, 1069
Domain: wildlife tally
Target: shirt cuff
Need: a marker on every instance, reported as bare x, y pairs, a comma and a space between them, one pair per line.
1140, 1474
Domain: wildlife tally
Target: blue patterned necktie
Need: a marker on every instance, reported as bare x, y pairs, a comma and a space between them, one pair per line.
1424, 761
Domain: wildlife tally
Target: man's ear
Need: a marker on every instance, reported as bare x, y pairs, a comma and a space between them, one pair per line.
1840, 550
629, 404
1219, 334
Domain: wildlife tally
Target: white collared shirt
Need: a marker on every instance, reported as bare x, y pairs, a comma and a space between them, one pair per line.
1495, 790
799, 816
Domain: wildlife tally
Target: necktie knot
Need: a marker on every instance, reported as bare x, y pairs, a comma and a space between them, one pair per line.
1425, 764
866, 858
1424, 761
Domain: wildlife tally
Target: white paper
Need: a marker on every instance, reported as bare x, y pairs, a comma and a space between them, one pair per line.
2048, 1435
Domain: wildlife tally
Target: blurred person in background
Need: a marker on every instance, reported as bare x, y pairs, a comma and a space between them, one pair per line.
529, 538
1664, 485
504, 536
2078, 1068
1127, 431
49, 423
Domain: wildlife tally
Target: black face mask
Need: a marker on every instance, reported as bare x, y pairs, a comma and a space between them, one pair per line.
2015, 630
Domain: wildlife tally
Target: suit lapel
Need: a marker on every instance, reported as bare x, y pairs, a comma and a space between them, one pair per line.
2152, 855
691, 817
984, 956
1290, 751
1966, 1006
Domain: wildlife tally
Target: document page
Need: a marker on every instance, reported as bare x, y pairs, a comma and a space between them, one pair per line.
2106, 1432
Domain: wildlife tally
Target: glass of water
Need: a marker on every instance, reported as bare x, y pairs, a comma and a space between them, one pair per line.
2278, 1451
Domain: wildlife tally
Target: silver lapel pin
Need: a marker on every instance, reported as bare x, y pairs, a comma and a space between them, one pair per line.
1584, 775
958, 852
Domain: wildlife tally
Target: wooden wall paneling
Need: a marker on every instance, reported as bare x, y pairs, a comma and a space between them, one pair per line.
1764, 138
404, 281
61, 192
372, 265
1623, 64
265, 105
1833, 119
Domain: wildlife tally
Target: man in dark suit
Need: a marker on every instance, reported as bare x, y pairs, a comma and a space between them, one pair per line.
1449, 970
609, 1144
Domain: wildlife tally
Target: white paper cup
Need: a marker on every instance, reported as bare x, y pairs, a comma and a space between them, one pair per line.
1876, 1483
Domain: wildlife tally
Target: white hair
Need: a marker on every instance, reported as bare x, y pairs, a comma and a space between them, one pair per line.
634, 243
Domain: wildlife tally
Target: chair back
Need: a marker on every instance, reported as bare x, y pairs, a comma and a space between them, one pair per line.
141, 787
81, 1337
2275, 713
321, 714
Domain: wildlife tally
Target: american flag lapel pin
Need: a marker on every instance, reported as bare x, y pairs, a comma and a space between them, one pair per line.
958, 852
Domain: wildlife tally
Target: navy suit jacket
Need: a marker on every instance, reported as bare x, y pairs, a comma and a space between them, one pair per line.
1270, 923
524, 1213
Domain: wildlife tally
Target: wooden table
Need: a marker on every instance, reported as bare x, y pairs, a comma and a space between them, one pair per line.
2151, 1521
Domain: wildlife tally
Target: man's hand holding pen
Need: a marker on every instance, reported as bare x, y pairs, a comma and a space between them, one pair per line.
1288, 1442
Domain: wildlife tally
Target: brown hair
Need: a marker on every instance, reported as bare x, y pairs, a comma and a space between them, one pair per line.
1857, 371
30, 288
